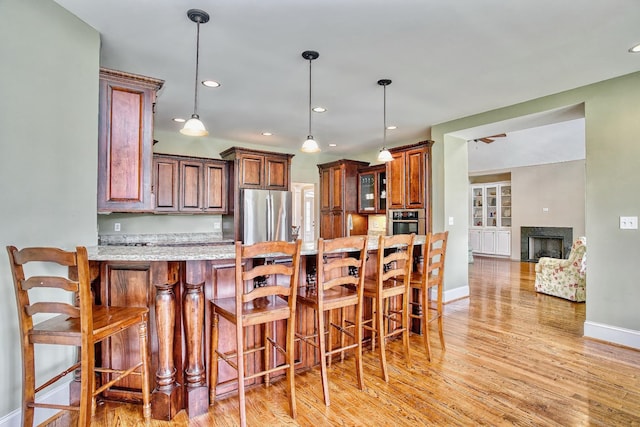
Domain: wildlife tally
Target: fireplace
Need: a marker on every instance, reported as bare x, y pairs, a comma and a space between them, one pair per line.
537, 242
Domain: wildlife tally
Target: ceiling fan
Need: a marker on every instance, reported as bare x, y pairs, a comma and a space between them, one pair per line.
490, 139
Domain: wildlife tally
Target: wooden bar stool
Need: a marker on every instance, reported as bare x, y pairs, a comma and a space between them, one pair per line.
393, 276
82, 325
340, 285
431, 276
254, 306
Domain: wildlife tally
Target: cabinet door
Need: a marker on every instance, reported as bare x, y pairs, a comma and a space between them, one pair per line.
491, 205
337, 188
367, 192
165, 186
191, 185
326, 225
477, 206
488, 241
505, 206
325, 188
503, 242
125, 145
215, 187
276, 173
251, 171
126, 284
415, 176
338, 224
475, 240
381, 191
396, 176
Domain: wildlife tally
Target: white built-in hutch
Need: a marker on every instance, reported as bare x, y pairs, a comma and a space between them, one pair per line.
490, 228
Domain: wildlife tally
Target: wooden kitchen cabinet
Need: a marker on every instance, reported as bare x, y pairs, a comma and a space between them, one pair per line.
409, 176
125, 141
372, 190
190, 184
253, 169
260, 169
339, 198
165, 183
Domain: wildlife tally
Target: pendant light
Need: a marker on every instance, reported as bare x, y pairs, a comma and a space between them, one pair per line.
310, 145
193, 126
384, 155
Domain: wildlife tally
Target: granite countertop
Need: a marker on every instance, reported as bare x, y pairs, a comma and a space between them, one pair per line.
186, 251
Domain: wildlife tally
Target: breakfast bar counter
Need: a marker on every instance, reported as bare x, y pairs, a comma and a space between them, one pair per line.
175, 281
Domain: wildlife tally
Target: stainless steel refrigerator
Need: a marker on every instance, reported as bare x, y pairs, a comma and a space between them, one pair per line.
266, 215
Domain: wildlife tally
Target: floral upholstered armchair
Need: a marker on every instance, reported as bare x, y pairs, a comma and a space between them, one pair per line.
564, 278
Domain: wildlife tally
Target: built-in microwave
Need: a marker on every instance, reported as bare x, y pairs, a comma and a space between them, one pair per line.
407, 221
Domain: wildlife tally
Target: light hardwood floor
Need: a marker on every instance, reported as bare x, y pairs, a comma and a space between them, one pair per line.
513, 357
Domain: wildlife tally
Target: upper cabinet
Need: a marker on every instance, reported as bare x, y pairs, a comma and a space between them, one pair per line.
409, 176
190, 184
260, 169
372, 190
125, 141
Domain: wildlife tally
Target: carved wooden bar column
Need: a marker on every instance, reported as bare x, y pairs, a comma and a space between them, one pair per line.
196, 390
166, 397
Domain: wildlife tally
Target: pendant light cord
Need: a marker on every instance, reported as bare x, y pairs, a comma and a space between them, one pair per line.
310, 60
195, 98
384, 116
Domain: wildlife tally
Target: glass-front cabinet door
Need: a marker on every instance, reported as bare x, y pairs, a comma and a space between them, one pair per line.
372, 188
505, 206
477, 215
491, 202
368, 192
382, 191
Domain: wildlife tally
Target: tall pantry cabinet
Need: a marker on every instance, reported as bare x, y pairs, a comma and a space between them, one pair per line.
339, 199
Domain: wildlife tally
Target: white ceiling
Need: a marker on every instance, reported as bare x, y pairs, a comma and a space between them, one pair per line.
447, 59
552, 143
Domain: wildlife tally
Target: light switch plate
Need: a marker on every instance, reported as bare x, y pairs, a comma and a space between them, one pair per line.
450, 220
628, 222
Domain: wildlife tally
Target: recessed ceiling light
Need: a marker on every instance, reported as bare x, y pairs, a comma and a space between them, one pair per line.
635, 49
319, 109
267, 133
392, 127
179, 120
333, 145
210, 83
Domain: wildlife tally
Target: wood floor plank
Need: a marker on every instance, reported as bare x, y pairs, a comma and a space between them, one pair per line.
513, 357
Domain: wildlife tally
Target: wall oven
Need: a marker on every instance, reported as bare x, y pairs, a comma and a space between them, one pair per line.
406, 221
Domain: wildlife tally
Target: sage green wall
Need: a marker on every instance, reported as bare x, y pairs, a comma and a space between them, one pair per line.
612, 120
48, 153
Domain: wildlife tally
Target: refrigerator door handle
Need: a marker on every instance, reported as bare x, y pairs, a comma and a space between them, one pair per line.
269, 217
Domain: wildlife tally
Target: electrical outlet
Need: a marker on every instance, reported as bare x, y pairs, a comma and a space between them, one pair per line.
628, 222
450, 220
116, 226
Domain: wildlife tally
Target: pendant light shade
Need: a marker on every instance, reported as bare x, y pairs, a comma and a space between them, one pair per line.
193, 126
310, 145
384, 155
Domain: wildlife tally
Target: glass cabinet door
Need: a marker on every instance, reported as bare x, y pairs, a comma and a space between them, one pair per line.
382, 191
491, 197
367, 192
478, 202
505, 206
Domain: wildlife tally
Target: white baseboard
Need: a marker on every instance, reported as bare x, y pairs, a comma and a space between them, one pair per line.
58, 395
613, 334
453, 294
